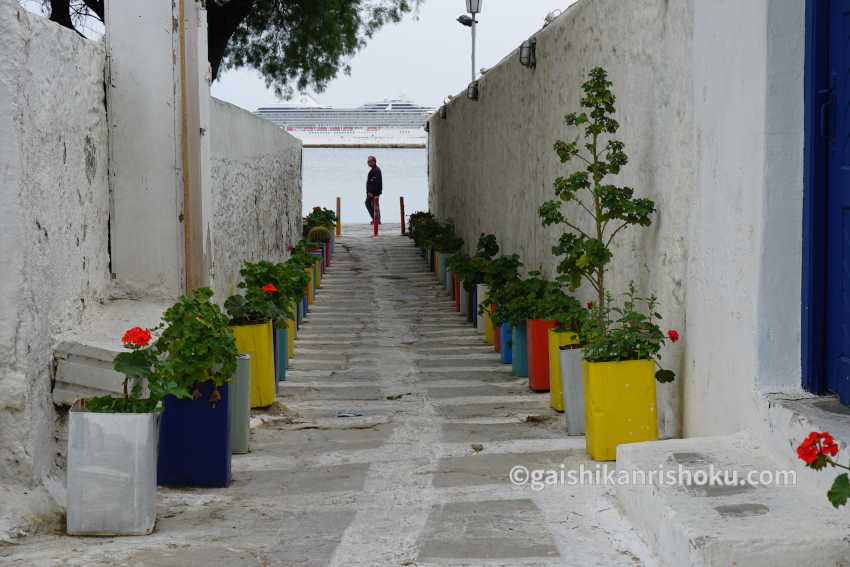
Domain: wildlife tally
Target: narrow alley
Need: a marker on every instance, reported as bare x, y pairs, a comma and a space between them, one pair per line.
419, 478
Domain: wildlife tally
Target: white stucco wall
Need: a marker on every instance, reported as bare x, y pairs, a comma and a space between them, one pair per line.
710, 105
492, 163
53, 236
256, 192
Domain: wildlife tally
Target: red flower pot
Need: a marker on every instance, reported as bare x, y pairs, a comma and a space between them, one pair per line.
497, 337
538, 354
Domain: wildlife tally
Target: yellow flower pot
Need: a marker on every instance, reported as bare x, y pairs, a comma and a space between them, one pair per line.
290, 337
318, 263
256, 340
556, 386
437, 265
489, 330
619, 400
309, 272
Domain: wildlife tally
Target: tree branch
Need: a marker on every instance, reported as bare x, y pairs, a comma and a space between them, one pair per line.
222, 22
60, 12
95, 6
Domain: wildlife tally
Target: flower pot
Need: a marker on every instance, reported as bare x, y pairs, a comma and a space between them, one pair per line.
619, 405
256, 340
505, 337
194, 440
281, 352
481, 295
572, 382
239, 399
473, 307
497, 338
317, 269
305, 307
444, 259
431, 259
311, 272
538, 354
556, 388
448, 283
111, 486
463, 300
457, 292
438, 263
326, 254
290, 339
519, 350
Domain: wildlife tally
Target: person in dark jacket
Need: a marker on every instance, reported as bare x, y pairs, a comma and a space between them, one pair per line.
374, 185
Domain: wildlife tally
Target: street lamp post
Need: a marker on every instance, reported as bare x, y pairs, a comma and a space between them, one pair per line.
474, 8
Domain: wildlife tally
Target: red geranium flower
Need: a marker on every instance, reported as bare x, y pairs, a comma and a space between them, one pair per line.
137, 336
589, 304
269, 288
317, 208
815, 449
290, 248
674, 336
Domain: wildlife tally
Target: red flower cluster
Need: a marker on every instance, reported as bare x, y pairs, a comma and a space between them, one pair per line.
317, 208
674, 335
269, 288
815, 449
589, 304
137, 336
290, 248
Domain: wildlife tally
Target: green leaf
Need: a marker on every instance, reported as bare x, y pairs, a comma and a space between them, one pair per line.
665, 376
840, 491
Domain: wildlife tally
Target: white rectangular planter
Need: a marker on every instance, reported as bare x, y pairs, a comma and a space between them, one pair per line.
464, 301
449, 282
573, 389
483, 291
112, 473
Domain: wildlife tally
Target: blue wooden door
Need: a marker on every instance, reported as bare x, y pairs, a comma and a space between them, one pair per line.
834, 116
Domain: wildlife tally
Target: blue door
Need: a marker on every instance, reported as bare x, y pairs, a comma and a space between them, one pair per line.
837, 133
826, 294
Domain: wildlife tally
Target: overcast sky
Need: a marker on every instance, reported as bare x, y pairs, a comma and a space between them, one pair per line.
424, 58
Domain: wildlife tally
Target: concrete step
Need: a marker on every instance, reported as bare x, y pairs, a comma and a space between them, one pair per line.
741, 524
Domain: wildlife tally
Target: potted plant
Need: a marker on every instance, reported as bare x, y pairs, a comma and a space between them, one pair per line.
112, 448
198, 352
609, 209
557, 324
251, 317
498, 273
622, 345
517, 306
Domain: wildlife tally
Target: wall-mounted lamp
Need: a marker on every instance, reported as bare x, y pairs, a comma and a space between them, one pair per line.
472, 91
527, 53
443, 112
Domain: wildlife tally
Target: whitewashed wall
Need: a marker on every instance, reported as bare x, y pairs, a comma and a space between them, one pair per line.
492, 163
710, 104
256, 192
53, 236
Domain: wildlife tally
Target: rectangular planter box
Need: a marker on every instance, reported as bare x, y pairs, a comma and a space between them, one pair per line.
194, 441
556, 390
538, 353
256, 340
619, 405
572, 382
519, 350
480, 295
240, 405
112, 473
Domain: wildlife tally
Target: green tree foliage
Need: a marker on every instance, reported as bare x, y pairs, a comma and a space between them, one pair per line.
611, 208
294, 44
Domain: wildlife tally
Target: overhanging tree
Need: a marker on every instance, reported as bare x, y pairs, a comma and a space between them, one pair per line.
294, 44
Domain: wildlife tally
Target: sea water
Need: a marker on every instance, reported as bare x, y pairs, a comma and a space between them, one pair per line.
329, 173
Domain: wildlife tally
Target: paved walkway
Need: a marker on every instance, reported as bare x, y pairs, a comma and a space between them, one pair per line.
401, 485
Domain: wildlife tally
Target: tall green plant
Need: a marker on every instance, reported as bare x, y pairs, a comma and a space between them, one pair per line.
610, 208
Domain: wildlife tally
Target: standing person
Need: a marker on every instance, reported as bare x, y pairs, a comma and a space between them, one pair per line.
374, 185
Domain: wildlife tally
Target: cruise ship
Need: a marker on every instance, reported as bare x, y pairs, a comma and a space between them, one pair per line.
390, 123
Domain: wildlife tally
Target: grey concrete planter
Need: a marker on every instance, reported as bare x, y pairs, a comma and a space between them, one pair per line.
240, 405
112, 473
573, 389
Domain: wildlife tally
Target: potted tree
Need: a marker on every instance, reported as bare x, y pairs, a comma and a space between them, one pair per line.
197, 352
112, 448
251, 317
608, 209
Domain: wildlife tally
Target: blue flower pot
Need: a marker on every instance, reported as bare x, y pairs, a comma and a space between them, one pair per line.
194, 441
519, 348
299, 313
281, 353
305, 309
505, 346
